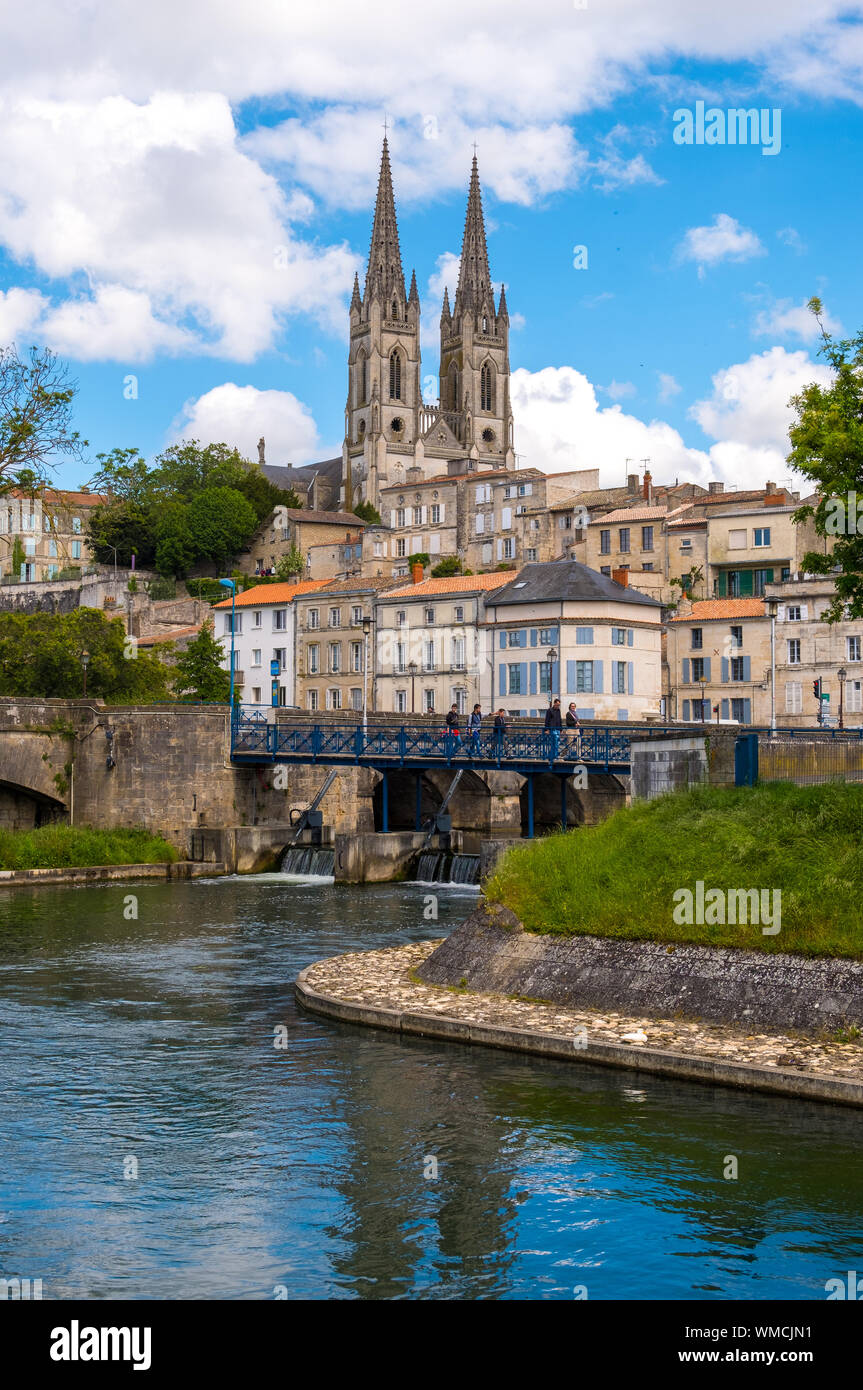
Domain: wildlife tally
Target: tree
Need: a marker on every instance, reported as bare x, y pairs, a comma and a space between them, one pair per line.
40, 656
450, 564
36, 395
198, 673
220, 522
827, 447
125, 525
18, 556
176, 546
124, 474
291, 564
419, 558
366, 512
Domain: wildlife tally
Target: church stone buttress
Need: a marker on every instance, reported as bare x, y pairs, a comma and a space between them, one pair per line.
382, 415
388, 429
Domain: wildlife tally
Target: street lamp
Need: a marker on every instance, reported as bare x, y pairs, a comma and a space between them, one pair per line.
114, 548
842, 674
412, 672
85, 662
229, 584
551, 658
772, 610
367, 627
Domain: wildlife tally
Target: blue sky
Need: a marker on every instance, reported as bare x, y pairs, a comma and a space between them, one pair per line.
149, 177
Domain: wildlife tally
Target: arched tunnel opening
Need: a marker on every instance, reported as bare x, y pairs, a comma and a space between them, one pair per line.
555, 797
22, 808
416, 798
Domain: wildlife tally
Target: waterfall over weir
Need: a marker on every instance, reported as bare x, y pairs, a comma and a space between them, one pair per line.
435, 866
309, 859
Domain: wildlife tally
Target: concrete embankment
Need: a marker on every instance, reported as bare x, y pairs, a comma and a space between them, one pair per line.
766, 990
102, 873
384, 989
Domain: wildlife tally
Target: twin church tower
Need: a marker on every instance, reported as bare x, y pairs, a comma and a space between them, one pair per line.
391, 435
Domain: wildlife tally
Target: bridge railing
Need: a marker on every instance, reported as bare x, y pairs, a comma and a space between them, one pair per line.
305, 741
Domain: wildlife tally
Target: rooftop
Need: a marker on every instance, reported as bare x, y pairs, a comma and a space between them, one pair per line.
632, 514
708, 610
325, 518
452, 584
561, 580
263, 594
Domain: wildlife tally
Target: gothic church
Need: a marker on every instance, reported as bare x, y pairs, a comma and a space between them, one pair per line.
391, 435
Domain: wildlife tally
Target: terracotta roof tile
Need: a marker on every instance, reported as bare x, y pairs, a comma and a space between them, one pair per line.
453, 584
263, 594
706, 610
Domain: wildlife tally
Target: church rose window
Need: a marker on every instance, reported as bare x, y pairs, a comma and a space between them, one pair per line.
488, 436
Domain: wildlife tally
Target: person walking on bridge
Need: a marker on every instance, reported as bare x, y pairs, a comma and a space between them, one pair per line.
553, 725
452, 723
474, 725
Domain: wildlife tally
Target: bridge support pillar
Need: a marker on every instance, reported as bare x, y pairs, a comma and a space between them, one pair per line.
419, 802
563, 782
385, 803
530, 806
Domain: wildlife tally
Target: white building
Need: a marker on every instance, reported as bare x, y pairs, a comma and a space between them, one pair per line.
265, 631
563, 629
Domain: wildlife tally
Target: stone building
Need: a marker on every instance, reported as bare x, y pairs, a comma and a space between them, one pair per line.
368, 554
301, 529
335, 633
563, 629
52, 530
429, 652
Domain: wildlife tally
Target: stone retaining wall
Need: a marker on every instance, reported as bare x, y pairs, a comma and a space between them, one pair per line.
492, 952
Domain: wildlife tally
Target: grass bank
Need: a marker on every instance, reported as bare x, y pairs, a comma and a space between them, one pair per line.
73, 847
619, 878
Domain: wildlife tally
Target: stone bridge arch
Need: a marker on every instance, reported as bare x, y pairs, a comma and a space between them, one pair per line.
34, 778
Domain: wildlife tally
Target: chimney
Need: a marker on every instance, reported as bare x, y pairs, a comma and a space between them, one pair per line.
417, 574
632, 482
769, 489
715, 487
621, 577
648, 486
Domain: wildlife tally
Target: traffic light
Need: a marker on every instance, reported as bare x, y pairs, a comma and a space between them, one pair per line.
816, 688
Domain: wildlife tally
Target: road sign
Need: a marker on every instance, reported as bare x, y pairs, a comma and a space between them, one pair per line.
826, 697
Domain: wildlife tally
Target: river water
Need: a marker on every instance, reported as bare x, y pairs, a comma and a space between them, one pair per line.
148, 1045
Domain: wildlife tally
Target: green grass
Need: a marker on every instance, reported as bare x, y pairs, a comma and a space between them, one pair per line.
618, 878
65, 846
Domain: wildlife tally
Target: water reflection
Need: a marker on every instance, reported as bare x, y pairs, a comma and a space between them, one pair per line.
309, 1167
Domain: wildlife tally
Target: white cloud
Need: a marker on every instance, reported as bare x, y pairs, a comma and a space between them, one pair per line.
560, 425
749, 404
668, 386
789, 236
240, 415
20, 312
185, 241
784, 319
723, 240
618, 390
618, 171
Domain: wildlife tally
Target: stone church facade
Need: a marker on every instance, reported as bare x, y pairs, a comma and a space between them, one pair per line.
392, 436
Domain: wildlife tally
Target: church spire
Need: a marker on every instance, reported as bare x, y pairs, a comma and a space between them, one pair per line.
356, 302
474, 278
385, 274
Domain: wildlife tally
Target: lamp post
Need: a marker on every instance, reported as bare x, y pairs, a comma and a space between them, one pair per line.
367, 627
114, 548
842, 674
551, 658
412, 671
229, 584
772, 609
85, 662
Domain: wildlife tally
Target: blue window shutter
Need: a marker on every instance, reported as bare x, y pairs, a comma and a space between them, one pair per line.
523, 682
570, 678
724, 710
724, 672
503, 641
533, 637
502, 682
686, 670
597, 677
686, 711
630, 637
707, 668
630, 678
533, 678
747, 710
746, 676
555, 678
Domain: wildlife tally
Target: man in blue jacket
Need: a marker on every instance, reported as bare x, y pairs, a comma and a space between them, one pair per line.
553, 724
